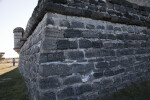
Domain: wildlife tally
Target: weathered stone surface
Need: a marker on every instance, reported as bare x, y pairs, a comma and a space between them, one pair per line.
63, 44
101, 65
54, 69
49, 43
98, 74
72, 79
82, 68
65, 23
74, 98
48, 95
89, 26
56, 56
84, 50
66, 92
66, 44
83, 89
74, 55
73, 33
77, 25
50, 82
85, 43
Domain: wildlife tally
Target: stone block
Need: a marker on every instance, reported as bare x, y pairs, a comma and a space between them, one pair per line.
97, 44
82, 68
102, 65
106, 82
72, 98
117, 80
107, 52
100, 27
43, 57
83, 89
91, 95
140, 51
74, 55
71, 33
63, 44
84, 43
108, 72
77, 25
127, 52
109, 27
50, 21
98, 74
90, 34
49, 43
89, 26
72, 80
120, 36
56, 56
92, 53
52, 32
48, 83
66, 92
117, 29
119, 70
66, 44
73, 45
130, 30
102, 36
55, 69
64, 23
97, 86
111, 36
47, 95
59, 1
114, 63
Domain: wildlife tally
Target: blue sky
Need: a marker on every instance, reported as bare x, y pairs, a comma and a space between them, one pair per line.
13, 13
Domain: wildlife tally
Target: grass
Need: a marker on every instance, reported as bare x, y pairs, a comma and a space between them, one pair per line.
134, 92
14, 89
6, 67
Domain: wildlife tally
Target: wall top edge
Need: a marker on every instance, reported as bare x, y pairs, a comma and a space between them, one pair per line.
116, 11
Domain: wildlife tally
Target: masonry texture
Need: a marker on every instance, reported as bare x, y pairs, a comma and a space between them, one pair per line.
84, 49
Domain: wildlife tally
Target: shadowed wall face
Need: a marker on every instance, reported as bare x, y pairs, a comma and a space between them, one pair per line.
84, 50
141, 2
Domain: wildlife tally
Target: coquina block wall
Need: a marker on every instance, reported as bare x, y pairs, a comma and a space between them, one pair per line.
84, 49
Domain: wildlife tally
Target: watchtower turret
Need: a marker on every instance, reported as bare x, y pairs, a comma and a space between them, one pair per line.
18, 34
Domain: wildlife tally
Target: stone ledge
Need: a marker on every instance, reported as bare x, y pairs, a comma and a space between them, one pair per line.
89, 10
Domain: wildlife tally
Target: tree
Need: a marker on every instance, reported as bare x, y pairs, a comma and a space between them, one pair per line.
1, 55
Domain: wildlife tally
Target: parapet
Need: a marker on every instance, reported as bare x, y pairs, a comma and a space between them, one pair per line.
114, 11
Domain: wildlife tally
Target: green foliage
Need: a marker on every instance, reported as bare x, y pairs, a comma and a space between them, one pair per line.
14, 89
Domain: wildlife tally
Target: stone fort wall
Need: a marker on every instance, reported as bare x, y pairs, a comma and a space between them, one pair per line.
84, 49
141, 2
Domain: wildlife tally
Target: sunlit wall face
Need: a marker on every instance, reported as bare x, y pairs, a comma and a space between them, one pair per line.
141, 2
13, 13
